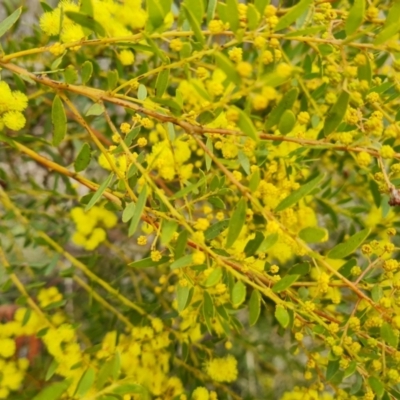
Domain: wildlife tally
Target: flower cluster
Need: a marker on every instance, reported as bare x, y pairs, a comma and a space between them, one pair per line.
12, 103
91, 226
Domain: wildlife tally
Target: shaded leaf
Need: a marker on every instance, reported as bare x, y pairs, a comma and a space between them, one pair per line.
214, 230
140, 205
86, 21
286, 103
182, 297
83, 158
254, 307
287, 122
194, 24
336, 113
86, 71
236, 222
162, 82
59, 121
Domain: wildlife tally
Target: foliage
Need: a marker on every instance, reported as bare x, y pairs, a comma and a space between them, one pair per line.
198, 200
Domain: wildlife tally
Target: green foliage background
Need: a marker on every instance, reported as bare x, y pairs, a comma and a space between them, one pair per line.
198, 200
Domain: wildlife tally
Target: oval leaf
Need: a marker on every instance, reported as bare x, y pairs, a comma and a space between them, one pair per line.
238, 293
286, 103
7, 23
344, 249
313, 234
83, 158
282, 315
236, 223
59, 120
85, 383
336, 113
254, 307
141, 203
162, 82
214, 277
298, 194
52, 392
285, 283
287, 122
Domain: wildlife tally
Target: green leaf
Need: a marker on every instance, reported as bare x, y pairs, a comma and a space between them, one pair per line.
157, 10
388, 335
364, 72
209, 146
140, 205
226, 65
293, 14
238, 293
216, 229
287, 122
282, 316
95, 109
129, 388
212, 5
336, 113
254, 307
148, 262
85, 382
59, 121
253, 244
51, 370
332, 368
142, 92
298, 194
168, 228
112, 79
99, 192
162, 82
285, 283
342, 250
180, 245
300, 269
253, 17
83, 158
355, 17
246, 125
86, 71
214, 277
376, 385
110, 369
233, 15
129, 212
260, 5
236, 222
182, 297
7, 23
197, 9
286, 103
87, 7
386, 33
194, 24
188, 189
182, 262
208, 305
312, 234
53, 392
86, 21
350, 369
268, 242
